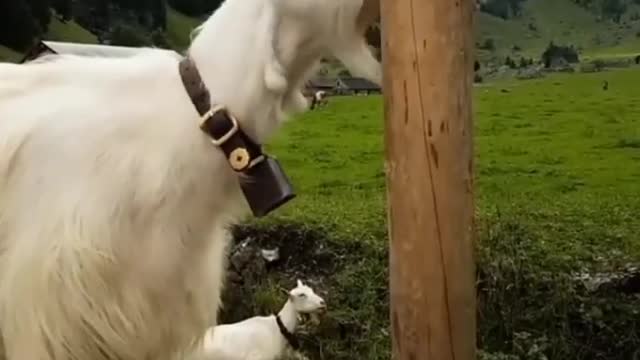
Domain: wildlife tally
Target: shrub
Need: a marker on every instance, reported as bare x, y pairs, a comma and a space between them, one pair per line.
553, 51
127, 35
488, 44
159, 39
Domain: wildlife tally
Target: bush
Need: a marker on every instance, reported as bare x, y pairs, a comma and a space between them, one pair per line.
532, 302
553, 52
127, 35
488, 44
541, 309
159, 39
523, 62
195, 7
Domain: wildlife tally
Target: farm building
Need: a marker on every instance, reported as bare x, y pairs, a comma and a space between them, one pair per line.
92, 50
355, 86
322, 84
343, 86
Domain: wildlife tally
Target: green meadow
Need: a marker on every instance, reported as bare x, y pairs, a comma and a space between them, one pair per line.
557, 194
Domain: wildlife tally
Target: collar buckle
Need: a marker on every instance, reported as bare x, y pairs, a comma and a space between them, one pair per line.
219, 113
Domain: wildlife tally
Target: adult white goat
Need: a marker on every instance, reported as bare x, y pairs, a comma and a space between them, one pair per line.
261, 337
114, 205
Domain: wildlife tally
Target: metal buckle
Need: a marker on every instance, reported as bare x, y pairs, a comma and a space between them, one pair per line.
256, 161
234, 128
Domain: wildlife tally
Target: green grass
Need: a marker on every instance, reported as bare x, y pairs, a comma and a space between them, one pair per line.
69, 31
550, 146
8, 55
179, 27
557, 192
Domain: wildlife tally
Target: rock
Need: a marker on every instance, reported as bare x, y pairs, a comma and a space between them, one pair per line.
529, 73
270, 255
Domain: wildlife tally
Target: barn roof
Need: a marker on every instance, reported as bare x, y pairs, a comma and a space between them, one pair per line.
90, 50
356, 83
322, 83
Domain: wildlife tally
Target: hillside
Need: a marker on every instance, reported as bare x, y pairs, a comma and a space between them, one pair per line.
563, 22
539, 22
7, 54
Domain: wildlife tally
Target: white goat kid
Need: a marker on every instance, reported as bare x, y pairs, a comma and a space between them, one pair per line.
261, 337
114, 205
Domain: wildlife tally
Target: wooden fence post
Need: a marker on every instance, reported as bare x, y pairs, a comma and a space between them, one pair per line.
428, 58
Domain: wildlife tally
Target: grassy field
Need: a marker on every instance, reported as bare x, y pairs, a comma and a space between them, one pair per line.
179, 28
69, 31
8, 55
557, 193
556, 147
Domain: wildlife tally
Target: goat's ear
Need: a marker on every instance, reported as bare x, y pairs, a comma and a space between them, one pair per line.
369, 13
299, 283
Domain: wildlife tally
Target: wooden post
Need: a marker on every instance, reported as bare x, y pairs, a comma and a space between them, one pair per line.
428, 53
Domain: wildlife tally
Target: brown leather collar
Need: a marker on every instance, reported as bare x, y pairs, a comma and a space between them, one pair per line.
265, 185
291, 338
242, 153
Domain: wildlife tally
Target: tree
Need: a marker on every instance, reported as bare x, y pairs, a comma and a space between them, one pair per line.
195, 7
523, 62
123, 34
63, 9
553, 51
510, 63
17, 25
41, 12
614, 9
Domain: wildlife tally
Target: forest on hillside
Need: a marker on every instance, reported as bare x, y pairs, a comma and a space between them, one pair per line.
118, 22
611, 9
144, 22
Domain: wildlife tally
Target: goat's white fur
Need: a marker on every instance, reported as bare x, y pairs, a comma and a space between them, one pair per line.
259, 337
114, 205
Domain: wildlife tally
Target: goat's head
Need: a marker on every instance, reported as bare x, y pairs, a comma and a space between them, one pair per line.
269, 48
305, 300
337, 28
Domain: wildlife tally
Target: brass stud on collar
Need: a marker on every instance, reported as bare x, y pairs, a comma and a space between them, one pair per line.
239, 159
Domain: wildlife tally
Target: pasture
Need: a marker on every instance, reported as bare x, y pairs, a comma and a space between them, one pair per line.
557, 195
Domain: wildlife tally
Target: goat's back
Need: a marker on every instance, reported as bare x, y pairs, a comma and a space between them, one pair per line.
109, 194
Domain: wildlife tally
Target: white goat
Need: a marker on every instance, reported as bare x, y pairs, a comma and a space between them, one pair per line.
114, 205
261, 337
